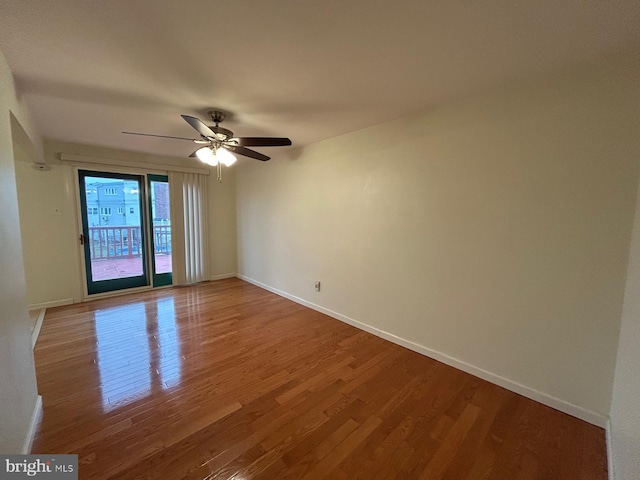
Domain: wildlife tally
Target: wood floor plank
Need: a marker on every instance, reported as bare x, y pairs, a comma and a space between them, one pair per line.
226, 380
439, 463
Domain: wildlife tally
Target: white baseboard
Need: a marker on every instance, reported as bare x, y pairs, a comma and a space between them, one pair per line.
609, 444
541, 397
222, 276
55, 303
33, 425
37, 327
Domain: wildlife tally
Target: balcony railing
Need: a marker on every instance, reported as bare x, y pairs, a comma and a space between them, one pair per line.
126, 241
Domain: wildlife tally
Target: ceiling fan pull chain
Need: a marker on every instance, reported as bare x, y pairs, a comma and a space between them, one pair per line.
219, 172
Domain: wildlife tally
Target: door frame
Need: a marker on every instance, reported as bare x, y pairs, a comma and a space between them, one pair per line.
157, 279
92, 288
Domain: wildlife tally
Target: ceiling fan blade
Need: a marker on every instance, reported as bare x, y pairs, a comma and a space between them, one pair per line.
249, 153
161, 136
262, 141
202, 129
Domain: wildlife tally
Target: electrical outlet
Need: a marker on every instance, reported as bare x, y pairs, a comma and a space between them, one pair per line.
317, 286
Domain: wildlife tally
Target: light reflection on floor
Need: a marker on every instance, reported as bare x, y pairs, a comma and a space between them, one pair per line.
170, 353
139, 358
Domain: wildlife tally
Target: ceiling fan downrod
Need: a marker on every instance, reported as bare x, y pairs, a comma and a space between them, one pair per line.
216, 116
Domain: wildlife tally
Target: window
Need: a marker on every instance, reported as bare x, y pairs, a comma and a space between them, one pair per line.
93, 210
121, 210
105, 210
131, 210
110, 191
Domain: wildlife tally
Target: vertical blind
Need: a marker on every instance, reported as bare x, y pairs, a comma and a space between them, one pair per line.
188, 198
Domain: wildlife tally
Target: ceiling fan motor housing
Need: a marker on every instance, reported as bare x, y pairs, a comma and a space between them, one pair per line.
227, 134
217, 117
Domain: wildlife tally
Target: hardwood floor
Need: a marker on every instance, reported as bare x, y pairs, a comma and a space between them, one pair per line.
227, 381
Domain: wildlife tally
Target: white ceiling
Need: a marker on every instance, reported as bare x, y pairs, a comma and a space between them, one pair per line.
306, 69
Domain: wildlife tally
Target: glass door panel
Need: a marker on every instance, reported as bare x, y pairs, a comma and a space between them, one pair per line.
160, 229
112, 230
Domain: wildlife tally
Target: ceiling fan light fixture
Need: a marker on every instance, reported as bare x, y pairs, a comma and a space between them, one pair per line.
206, 155
225, 157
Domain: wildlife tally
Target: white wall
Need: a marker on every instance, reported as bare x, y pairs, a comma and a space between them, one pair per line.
18, 395
494, 230
625, 405
52, 259
222, 224
49, 239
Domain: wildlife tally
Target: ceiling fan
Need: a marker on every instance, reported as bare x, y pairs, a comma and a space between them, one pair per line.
219, 144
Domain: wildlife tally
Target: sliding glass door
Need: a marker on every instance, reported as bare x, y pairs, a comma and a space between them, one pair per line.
113, 235
126, 230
